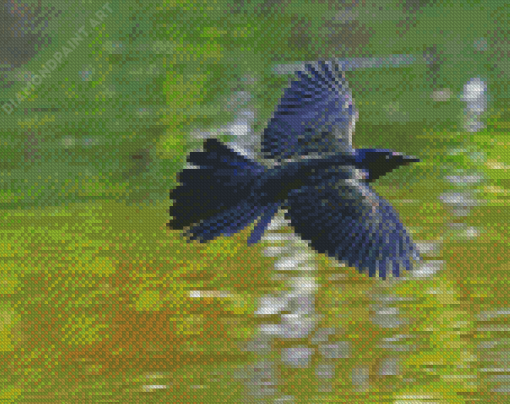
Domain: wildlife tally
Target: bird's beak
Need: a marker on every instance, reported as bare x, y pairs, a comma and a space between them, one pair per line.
411, 159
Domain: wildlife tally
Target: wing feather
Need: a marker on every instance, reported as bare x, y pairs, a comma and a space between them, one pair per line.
315, 116
346, 219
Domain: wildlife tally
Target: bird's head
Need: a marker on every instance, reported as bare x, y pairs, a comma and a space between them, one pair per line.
379, 162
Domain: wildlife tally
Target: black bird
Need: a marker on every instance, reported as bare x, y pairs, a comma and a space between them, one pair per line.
317, 175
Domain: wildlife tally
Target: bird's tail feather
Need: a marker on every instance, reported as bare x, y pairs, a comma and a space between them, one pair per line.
216, 198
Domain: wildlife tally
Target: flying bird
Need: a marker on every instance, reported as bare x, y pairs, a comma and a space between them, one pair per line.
317, 175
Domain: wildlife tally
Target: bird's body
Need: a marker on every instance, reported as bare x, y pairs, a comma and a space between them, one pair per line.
279, 181
322, 180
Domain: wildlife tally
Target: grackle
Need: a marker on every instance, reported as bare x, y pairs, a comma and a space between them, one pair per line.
317, 175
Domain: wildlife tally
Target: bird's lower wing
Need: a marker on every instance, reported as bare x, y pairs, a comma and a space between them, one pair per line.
346, 219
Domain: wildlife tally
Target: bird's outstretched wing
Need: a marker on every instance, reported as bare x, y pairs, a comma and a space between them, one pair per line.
345, 218
315, 116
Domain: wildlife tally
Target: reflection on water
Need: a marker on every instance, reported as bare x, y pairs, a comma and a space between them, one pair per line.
475, 97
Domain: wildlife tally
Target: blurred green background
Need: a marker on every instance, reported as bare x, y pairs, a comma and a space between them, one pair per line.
96, 291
